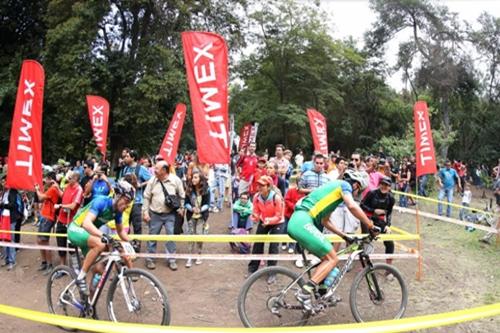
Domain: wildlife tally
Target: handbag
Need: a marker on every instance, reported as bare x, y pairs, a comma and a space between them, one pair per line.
172, 201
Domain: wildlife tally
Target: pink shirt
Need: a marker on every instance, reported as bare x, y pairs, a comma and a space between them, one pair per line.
373, 181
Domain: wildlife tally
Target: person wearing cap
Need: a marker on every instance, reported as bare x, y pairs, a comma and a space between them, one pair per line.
268, 214
377, 205
47, 217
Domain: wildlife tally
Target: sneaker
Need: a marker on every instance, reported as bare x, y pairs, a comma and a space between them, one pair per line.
172, 265
389, 277
215, 210
11, 266
43, 267
291, 251
304, 297
58, 275
189, 263
82, 286
48, 270
150, 264
299, 263
198, 261
271, 278
283, 247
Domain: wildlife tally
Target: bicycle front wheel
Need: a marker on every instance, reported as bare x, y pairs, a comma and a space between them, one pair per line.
63, 296
265, 302
378, 293
138, 298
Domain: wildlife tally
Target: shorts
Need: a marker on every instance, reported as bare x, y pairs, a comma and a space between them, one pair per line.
46, 226
301, 228
344, 221
78, 237
62, 241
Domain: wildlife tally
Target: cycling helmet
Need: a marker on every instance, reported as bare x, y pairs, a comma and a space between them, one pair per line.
361, 177
124, 188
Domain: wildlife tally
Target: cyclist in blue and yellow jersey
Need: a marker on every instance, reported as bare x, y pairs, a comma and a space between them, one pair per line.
84, 229
313, 213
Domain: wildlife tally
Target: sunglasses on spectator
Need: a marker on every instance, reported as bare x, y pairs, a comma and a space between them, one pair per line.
355, 159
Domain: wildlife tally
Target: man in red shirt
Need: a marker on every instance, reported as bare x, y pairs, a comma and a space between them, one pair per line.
259, 171
48, 217
246, 166
71, 200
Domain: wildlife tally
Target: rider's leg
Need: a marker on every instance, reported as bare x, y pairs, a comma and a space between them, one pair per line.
95, 248
328, 263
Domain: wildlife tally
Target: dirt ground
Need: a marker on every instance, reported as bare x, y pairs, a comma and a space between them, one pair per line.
459, 272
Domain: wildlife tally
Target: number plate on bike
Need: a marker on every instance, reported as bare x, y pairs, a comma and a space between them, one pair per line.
368, 248
128, 250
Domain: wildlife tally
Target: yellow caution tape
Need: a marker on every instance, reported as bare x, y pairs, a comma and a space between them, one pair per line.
443, 202
227, 238
400, 325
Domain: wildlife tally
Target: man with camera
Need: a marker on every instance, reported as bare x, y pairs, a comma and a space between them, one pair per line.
163, 198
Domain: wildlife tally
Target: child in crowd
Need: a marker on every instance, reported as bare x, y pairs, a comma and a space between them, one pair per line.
292, 196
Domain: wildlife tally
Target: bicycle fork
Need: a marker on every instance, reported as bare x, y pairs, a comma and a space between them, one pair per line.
128, 291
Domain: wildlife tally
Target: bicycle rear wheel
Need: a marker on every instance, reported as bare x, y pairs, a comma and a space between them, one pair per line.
63, 296
257, 299
378, 293
144, 293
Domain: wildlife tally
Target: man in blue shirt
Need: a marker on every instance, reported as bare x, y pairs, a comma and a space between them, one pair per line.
143, 175
447, 179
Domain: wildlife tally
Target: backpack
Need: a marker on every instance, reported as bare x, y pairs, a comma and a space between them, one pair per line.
240, 247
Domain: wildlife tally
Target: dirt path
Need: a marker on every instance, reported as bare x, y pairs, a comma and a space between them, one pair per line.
459, 273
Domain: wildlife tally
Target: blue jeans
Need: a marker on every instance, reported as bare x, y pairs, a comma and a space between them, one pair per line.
155, 225
422, 185
448, 193
403, 199
10, 252
462, 211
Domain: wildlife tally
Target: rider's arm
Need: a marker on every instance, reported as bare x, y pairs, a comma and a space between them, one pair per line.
328, 223
356, 210
88, 225
122, 233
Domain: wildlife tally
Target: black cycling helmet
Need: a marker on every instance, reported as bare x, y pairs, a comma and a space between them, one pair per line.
124, 188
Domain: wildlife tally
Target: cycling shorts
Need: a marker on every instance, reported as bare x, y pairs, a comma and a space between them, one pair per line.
78, 237
301, 228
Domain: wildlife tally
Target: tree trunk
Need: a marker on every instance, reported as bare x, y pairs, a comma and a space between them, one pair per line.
445, 108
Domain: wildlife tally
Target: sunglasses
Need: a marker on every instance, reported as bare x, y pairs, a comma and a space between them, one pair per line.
355, 159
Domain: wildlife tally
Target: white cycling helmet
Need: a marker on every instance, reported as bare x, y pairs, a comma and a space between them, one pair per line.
125, 189
357, 176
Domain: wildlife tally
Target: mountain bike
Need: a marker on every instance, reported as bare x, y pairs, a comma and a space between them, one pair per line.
134, 295
378, 292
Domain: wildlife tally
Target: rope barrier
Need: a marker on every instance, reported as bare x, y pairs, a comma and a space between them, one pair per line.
447, 219
227, 238
400, 325
243, 257
443, 202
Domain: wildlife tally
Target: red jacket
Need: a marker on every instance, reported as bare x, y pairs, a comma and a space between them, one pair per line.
271, 208
292, 196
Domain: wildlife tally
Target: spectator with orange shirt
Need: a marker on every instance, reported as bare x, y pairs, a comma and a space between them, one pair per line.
268, 213
71, 200
48, 216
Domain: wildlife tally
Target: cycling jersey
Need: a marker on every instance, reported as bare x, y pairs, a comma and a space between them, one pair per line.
305, 223
102, 208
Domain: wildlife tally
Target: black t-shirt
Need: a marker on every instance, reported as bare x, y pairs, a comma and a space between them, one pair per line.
375, 199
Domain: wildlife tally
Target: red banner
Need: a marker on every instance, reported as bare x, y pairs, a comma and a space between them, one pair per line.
171, 140
25, 149
245, 136
318, 130
426, 159
205, 55
99, 117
